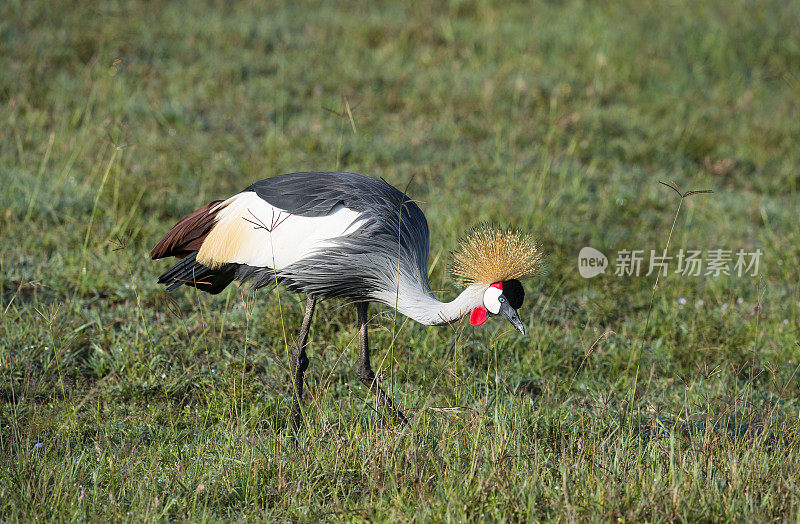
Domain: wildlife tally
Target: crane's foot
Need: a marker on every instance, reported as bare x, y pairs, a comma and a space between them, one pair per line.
297, 416
299, 367
300, 363
365, 373
385, 401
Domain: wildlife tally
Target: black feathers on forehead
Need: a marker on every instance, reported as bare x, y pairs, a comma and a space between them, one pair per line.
513, 291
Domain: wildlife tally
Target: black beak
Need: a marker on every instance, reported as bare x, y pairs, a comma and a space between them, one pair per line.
510, 314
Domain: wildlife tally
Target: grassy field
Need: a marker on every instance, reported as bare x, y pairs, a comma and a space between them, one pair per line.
119, 401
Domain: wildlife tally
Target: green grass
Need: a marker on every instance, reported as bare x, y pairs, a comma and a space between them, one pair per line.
118, 401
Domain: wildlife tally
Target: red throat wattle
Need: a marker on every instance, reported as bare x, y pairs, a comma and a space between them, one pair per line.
480, 313
478, 316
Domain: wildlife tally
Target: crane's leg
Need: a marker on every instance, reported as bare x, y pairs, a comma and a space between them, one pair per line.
300, 361
365, 373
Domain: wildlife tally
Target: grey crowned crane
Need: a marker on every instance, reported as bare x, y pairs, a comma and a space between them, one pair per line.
347, 235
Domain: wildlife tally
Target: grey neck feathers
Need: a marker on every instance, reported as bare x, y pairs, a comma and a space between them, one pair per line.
425, 308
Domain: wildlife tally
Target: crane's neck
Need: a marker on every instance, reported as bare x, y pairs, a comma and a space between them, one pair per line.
425, 308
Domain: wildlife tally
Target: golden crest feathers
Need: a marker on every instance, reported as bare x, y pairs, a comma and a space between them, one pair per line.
488, 254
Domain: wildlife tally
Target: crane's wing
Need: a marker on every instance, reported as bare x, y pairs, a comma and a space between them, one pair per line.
329, 234
249, 230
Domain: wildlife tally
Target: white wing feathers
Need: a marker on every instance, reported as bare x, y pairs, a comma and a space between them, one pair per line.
249, 230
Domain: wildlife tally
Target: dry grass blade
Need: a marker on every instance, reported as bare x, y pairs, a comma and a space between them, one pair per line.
672, 185
675, 187
697, 192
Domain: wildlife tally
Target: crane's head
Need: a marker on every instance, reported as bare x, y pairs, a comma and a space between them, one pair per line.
496, 259
501, 298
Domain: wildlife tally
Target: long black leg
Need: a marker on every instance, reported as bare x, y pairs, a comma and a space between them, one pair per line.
365, 373
300, 361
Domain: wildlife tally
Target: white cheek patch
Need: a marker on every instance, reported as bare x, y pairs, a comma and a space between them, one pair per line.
491, 299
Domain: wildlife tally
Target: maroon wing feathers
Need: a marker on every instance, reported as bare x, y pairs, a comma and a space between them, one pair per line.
187, 236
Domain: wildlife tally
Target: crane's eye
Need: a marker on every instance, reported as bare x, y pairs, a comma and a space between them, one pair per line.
501, 299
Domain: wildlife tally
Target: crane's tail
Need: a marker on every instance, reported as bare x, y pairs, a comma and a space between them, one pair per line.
183, 241
192, 273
